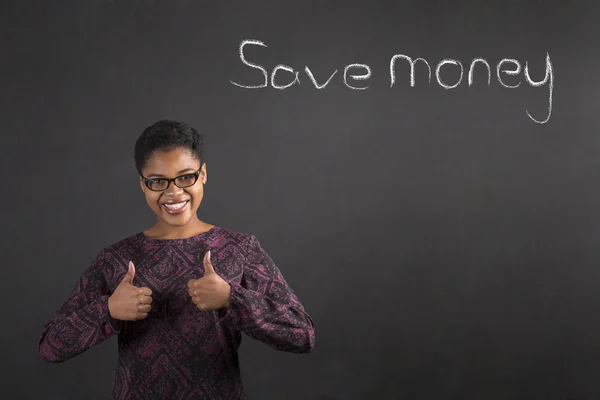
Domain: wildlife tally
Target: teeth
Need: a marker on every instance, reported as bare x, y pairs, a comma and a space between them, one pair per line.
175, 206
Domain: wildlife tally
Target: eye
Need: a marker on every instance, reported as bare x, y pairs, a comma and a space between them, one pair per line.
186, 180
156, 183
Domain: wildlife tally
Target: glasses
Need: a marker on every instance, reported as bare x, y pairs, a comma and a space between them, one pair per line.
182, 181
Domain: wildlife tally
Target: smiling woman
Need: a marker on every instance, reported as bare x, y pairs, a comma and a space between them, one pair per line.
169, 159
178, 294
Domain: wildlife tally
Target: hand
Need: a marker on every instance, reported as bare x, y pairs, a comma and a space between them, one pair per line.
128, 302
210, 292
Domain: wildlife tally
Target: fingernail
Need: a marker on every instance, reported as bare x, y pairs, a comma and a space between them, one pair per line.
209, 255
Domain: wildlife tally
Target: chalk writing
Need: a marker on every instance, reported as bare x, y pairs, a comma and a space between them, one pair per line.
284, 76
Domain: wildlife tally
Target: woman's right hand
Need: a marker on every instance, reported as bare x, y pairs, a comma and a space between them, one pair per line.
128, 302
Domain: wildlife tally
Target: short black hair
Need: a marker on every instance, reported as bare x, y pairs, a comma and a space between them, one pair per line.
166, 135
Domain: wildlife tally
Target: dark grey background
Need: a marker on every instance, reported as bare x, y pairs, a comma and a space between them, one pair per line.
445, 244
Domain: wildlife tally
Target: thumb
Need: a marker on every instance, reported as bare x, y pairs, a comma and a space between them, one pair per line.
208, 267
130, 274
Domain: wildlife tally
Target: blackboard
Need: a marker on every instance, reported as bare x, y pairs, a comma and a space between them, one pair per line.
434, 204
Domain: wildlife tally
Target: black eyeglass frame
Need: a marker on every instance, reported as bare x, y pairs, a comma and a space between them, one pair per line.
169, 180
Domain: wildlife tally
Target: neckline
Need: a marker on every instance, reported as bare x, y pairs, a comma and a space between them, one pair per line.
198, 236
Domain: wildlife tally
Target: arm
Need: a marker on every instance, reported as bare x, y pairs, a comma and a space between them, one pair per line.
83, 321
265, 308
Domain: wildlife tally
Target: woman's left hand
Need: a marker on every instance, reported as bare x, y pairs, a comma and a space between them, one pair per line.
211, 292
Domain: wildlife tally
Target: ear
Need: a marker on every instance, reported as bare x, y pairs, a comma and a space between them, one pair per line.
142, 185
203, 174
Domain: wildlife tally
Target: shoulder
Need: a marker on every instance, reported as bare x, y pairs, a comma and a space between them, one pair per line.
243, 245
225, 236
134, 240
124, 248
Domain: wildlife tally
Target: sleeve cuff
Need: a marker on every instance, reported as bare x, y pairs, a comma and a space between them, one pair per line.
230, 314
112, 326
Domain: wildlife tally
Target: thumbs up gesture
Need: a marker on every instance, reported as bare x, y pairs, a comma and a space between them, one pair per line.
129, 302
211, 292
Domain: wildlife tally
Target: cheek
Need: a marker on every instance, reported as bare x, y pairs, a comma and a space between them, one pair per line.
197, 195
152, 199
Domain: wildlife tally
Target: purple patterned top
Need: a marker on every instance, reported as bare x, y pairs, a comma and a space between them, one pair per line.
179, 351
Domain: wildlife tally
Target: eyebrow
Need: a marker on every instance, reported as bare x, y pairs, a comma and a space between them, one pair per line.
180, 172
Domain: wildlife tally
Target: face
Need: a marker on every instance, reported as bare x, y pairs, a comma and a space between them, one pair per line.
174, 206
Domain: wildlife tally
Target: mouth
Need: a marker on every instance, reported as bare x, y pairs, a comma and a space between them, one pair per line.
175, 208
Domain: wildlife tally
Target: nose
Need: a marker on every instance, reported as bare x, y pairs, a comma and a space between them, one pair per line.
172, 189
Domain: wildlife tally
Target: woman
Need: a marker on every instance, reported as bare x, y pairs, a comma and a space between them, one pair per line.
179, 294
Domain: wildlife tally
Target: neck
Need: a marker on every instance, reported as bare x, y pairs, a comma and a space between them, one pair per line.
165, 231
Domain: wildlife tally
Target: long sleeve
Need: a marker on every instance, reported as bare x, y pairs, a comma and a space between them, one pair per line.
82, 321
264, 306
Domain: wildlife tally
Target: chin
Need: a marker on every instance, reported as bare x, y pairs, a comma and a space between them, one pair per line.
179, 220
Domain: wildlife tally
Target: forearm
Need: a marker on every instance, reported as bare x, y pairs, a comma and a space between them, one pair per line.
70, 334
283, 325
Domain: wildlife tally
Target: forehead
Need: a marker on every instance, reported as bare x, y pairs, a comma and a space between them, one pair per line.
170, 162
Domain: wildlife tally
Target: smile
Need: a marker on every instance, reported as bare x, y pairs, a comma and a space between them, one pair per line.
176, 208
